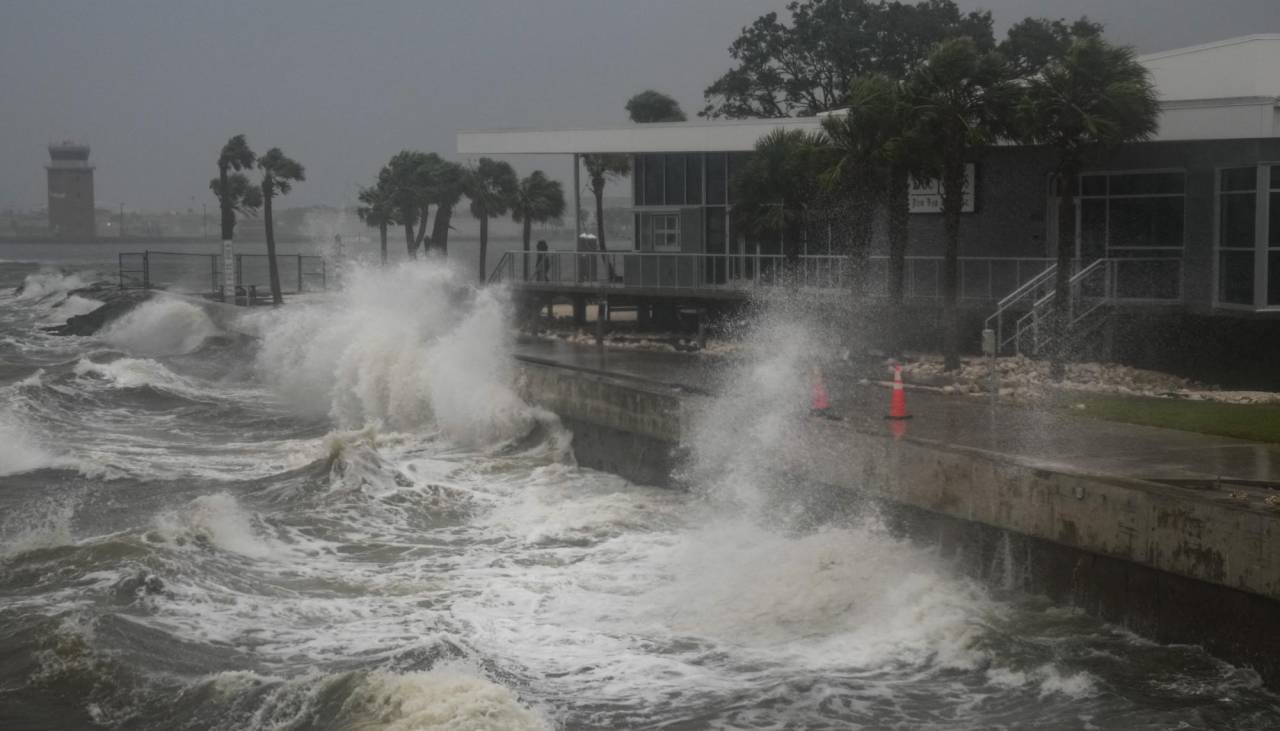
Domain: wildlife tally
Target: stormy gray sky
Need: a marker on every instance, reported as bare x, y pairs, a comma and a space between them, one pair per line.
156, 87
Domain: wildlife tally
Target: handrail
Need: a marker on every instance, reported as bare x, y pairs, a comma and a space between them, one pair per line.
981, 278
495, 274
1008, 301
1030, 322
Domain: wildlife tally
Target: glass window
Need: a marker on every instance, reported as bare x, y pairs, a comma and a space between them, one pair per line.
637, 180
666, 232
1093, 228
1147, 184
1146, 222
715, 231
653, 183
1273, 225
1273, 277
1275, 177
1236, 223
1093, 185
1235, 277
674, 195
1239, 179
734, 164
693, 179
715, 178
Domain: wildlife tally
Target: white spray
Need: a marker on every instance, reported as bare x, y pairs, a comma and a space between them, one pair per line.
409, 347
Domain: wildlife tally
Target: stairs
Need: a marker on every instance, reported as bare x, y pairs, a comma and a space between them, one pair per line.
1023, 322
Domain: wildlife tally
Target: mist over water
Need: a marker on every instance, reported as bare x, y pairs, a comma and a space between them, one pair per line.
339, 514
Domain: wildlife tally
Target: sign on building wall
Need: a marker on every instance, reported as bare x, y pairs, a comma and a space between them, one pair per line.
927, 197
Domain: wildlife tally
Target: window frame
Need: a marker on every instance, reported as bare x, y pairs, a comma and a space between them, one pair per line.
653, 231
1261, 248
1158, 251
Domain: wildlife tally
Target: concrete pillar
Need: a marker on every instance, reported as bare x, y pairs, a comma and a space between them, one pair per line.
702, 328
579, 310
642, 314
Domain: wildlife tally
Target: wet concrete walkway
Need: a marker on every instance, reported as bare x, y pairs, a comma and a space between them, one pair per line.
1049, 438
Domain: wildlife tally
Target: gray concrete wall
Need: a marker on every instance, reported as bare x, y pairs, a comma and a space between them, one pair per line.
1175, 563
1012, 196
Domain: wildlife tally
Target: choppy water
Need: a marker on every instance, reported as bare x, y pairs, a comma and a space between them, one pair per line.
359, 525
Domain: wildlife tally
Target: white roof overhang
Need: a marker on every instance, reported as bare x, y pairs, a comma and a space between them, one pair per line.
726, 136
1228, 89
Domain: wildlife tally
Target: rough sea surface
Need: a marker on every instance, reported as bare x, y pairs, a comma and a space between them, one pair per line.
339, 515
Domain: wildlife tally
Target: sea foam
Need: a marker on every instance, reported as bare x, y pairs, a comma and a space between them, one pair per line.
411, 347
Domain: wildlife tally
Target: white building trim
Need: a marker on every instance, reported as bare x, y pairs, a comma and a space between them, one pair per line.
1229, 89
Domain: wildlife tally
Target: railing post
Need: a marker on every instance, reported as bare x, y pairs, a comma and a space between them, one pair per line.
146, 270
299, 273
213, 274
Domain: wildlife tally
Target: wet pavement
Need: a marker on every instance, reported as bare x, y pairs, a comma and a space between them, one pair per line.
1053, 439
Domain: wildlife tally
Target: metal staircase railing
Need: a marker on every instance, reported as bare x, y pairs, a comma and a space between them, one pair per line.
1089, 291
1030, 292
504, 269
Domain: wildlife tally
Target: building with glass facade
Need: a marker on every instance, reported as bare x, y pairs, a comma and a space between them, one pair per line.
1187, 224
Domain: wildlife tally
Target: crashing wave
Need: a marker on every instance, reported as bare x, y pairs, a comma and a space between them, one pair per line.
158, 327
412, 347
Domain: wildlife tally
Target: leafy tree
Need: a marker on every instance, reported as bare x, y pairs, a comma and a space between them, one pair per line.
1033, 42
233, 191
378, 209
777, 184
807, 67
1088, 99
491, 187
538, 199
602, 168
278, 175
961, 99
654, 106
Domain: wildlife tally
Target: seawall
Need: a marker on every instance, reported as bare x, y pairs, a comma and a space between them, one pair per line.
1174, 564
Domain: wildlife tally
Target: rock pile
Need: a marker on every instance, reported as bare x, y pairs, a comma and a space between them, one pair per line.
1023, 378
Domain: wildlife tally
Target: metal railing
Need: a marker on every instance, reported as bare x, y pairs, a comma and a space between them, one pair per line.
1024, 297
980, 278
1090, 293
201, 273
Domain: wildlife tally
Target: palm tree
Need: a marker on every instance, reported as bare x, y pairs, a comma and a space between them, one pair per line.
538, 200
491, 187
378, 209
777, 184
238, 195
961, 99
446, 190
237, 156
408, 180
862, 141
278, 174
1091, 98
601, 168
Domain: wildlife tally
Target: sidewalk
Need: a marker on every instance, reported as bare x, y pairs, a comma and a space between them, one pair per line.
1052, 439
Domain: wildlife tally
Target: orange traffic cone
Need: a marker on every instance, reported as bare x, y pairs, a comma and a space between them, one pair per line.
897, 402
818, 402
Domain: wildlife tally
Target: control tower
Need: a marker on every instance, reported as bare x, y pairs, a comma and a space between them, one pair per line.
70, 191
